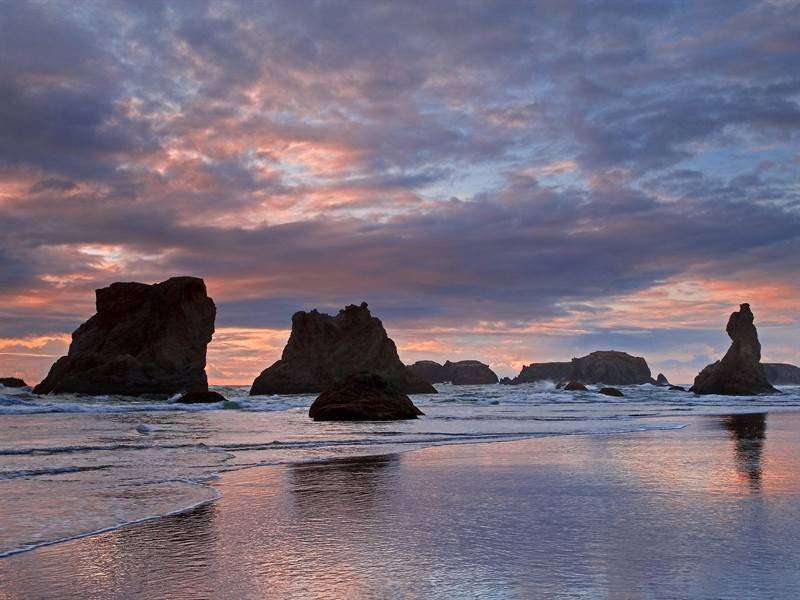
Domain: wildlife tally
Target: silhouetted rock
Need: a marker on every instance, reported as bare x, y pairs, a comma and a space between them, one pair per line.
739, 373
12, 382
144, 339
549, 371
505, 381
677, 388
363, 397
610, 391
200, 397
782, 374
462, 372
603, 366
575, 386
323, 350
661, 380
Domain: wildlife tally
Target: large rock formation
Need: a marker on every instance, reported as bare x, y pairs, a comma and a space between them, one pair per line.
323, 350
739, 373
363, 397
603, 366
463, 372
144, 339
782, 374
12, 382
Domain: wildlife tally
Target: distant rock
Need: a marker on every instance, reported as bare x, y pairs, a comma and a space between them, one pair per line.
12, 382
604, 366
610, 391
200, 397
739, 373
363, 397
575, 386
677, 388
661, 380
463, 372
323, 350
505, 381
549, 371
144, 339
782, 374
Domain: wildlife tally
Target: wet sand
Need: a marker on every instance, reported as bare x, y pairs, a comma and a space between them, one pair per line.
708, 511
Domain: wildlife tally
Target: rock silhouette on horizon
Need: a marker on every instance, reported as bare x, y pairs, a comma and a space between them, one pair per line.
323, 351
782, 373
662, 380
740, 372
12, 382
462, 372
363, 397
602, 366
144, 339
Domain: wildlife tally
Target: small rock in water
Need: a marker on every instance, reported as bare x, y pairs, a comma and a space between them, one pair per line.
495, 402
610, 391
142, 428
12, 382
677, 388
575, 386
200, 398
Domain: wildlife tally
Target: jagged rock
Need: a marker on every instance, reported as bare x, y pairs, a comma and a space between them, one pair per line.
505, 381
144, 339
610, 391
363, 397
602, 366
575, 386
323, 350
739, 373
462, 372
661, 380
12, 382
677, 388
549, 371
201, 397
782, 374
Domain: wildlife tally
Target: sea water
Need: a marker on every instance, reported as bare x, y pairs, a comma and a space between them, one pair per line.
75, 465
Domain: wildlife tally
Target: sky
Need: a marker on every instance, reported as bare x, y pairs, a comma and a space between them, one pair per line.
512, 182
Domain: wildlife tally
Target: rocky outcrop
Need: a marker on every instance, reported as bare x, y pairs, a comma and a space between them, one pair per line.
575, 386
144, 339
12, 382
603, 366
739, 373
463, 372
201, 397
782, 374
661, 379
506, 381
363, 397
610, 391
323, 351
677, 388
549, 371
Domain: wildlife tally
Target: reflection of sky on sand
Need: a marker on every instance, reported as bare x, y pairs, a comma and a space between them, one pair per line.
706, 512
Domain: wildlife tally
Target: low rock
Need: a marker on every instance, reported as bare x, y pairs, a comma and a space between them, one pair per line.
12, 382
462, 372
610, 391
200, 397
739, 372
363, 397
603, 366
677, 388
549, 371
575, 386
661, 380
505, 381
781, 373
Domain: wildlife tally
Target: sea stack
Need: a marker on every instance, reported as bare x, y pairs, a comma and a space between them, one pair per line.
603, 366
323, 351
363, 397
740, 372
144, 339
462, 372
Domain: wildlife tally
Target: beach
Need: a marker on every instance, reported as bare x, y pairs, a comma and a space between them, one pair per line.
705, 508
